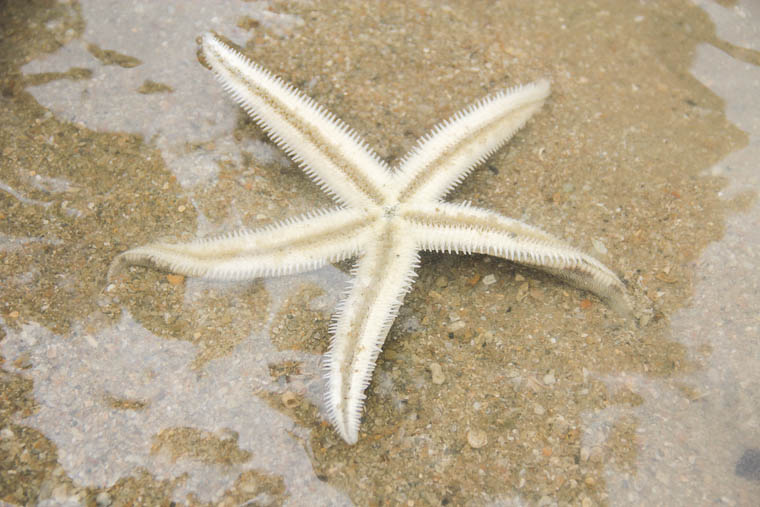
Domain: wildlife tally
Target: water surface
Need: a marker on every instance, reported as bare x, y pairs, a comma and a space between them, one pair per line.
152, 388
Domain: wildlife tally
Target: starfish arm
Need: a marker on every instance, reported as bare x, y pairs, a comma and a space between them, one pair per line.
446, 227
446, 155
383, 276
293, 246
331, 153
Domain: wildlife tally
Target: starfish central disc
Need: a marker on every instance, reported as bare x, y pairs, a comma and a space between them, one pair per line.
390, 212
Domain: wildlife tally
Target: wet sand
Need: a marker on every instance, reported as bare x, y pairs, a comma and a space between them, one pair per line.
498, 385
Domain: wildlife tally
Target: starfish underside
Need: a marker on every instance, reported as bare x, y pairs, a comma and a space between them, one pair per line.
384, 217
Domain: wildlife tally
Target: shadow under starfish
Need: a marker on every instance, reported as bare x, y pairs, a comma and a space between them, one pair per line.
384, 217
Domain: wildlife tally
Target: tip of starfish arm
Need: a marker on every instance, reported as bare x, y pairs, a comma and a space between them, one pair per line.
349, 434
622, 304
209, 38
344, 421
543, 85
116, 267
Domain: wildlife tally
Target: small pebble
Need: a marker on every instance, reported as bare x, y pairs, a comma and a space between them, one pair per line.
748, 465
489, 280
599, 246
175, 279
560, 424
289, 399
23, 362
437, 374
60, 493
545, 501
477, 438
538, 409
549, 378
457, 326
522, 291
249, 487
102, 499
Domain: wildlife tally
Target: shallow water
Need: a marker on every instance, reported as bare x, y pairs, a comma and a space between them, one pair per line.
151, 388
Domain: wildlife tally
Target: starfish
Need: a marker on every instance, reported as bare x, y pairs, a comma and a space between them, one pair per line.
384, 217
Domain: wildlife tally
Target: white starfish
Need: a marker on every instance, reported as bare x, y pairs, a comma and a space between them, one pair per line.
385, 217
